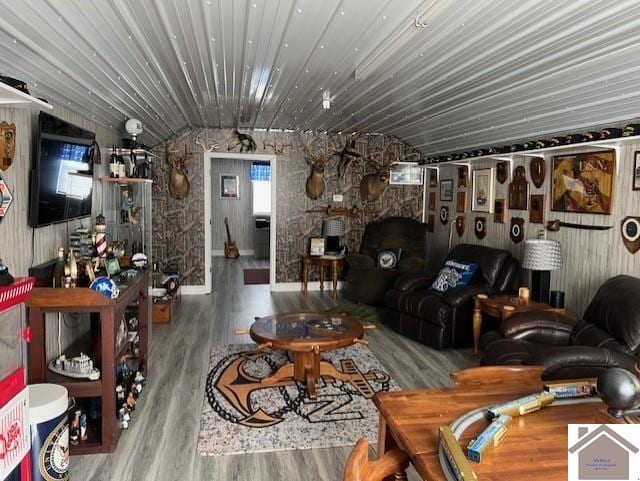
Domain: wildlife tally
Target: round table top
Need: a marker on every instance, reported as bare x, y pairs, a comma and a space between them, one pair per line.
303, 331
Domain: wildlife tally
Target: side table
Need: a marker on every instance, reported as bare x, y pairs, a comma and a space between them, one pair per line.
335, 263
502, 307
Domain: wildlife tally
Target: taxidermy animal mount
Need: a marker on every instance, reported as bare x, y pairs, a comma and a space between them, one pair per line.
208, 146
315, 182
347, 155
178, 181
245, 141
374, 185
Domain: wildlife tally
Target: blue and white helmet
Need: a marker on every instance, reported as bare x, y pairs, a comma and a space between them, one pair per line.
105, 286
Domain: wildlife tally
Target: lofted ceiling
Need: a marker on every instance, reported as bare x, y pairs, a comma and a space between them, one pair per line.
473, 73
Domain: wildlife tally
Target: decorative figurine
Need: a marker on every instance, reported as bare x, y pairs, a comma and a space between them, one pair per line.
83, 427
74, 432
131, 401
79, 367
120, 396
101, 236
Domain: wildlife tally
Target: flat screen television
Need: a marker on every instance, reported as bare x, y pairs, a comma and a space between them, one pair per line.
62, 177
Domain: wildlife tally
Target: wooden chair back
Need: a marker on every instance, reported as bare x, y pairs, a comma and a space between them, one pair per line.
359, 468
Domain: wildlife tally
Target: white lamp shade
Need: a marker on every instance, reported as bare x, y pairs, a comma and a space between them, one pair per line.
333, 228
542, 255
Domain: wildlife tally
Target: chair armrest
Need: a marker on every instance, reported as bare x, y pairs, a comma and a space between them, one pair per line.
411, 281
360, 261
579, 361
411, 264
458, 296
539, 327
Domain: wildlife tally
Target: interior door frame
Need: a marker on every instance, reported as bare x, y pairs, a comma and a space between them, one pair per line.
208, 158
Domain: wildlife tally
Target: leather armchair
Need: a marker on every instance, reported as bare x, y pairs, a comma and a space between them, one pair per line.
445, 320
366, 282
607, 336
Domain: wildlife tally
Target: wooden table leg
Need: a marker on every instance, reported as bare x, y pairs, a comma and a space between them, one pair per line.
477, 322
387, 443
311, 383
334, 275
321, 278
305, 276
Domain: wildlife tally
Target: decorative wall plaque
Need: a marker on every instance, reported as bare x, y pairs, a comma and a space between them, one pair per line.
432, 200
431, 222
498, 209
7, 144
517, 229
536, 214
460, 225
630, 228
433, 177
538, 170
6, 198
463, 176
519, 190
444, 214
480, 227
461, 202
502, 172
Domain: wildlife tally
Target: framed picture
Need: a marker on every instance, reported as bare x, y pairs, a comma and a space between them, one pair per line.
229, 186
482, 189
636, 171
583, 183
433, 177
446, 190
461, 204
316, 246
406, 173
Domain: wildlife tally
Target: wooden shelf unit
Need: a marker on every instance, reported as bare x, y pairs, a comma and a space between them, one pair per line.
111, 311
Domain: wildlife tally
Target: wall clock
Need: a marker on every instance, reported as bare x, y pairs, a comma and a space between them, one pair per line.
480, 227
518, 190
630, 228
538, 170
460, 225
517, 229
444, 214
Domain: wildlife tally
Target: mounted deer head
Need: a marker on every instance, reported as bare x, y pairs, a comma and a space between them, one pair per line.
374, 185
315, 182
178, 182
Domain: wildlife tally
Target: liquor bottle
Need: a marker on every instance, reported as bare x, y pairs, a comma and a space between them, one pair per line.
122, 168
58, 269
113, 162
155, 276
73, 268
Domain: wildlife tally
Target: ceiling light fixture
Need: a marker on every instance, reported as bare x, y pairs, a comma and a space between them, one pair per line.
326, 100
398, 39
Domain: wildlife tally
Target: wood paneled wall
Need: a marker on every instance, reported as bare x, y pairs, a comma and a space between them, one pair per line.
237, 210
20, 245
590, 257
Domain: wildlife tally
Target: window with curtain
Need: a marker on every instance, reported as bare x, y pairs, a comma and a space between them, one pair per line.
261, 188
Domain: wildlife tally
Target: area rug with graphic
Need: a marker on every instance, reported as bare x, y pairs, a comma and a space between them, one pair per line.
241, 415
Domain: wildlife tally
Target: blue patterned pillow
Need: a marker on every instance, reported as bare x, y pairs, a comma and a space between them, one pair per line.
454, 275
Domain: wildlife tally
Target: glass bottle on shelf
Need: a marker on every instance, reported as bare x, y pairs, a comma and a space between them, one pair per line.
58, 269
113, 163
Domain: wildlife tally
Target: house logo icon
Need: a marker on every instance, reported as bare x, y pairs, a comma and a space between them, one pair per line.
601, 454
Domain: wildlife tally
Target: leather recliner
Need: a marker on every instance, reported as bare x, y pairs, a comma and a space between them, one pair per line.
608, 335
368, 283
445, 320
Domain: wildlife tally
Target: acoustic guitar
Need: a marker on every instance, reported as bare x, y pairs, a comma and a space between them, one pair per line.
230, 248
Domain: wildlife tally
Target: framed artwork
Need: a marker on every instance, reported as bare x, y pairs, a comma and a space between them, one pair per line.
316, 246
406, 173
583, 183
433, 177
536, 213
446, 190
482, 189
229, 186
432, 200
636, 171
461, 202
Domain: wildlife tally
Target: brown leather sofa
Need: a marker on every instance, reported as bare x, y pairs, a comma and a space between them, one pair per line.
608, 335
367, 283
445, 320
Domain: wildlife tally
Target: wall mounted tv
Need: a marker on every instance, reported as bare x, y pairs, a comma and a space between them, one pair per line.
62, 175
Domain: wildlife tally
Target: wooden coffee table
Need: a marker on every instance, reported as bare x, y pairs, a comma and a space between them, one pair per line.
305, 335
502, 307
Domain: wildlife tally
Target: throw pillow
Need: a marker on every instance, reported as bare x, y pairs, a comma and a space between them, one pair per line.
454, 275
388, 258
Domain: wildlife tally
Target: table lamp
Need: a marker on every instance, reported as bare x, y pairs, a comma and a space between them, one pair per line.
332, 230
541, 256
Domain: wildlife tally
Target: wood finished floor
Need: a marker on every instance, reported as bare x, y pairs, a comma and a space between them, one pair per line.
160, 445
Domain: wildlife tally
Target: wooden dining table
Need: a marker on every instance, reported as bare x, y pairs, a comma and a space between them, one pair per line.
535, 447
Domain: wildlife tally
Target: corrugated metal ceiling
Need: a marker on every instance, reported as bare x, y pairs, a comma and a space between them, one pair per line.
479, 73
